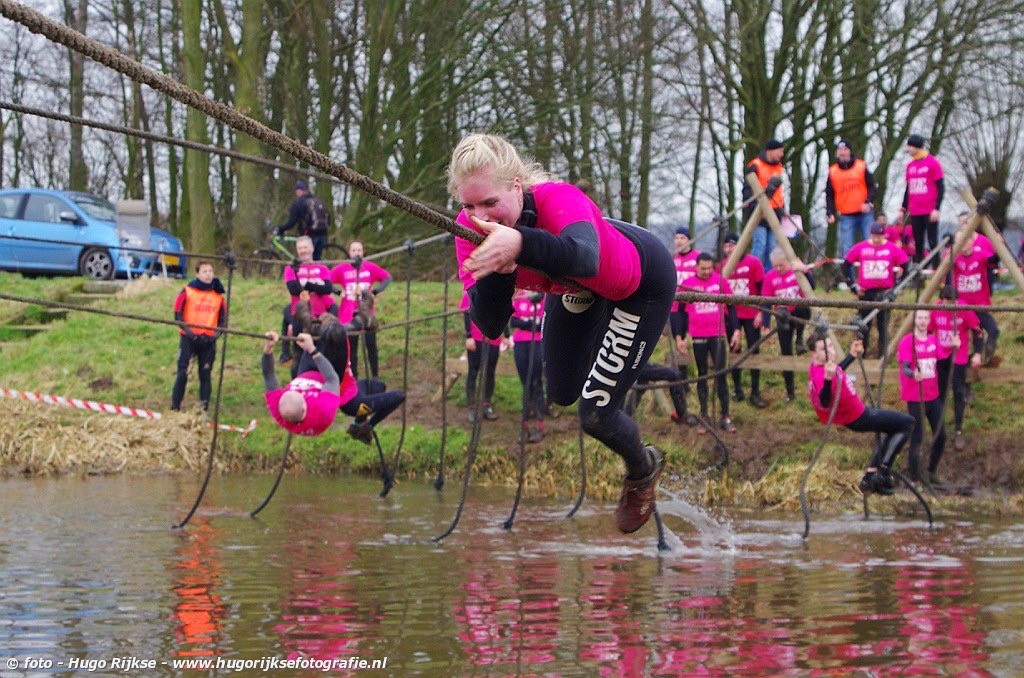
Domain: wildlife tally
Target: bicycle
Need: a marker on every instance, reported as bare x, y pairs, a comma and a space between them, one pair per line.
273, 257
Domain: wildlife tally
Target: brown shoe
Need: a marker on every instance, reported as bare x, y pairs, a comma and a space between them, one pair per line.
636, 504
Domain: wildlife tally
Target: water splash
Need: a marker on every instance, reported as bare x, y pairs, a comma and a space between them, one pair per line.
713, 533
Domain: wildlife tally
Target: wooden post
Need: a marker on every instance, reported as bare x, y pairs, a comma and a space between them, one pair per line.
989, 227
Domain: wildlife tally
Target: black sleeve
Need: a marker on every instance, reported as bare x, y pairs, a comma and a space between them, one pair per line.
180, 317
466, 320
846, 362
572, 253
295, 214
825, 394
294, 287
732, 322
907, 369
381, 285
325, 287
869, 179
830, 198
679, 323
906, 198
269, 376
523, 324
940, 187
490, 303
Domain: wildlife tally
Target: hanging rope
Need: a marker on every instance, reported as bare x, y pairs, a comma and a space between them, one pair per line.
386, 477
411, 249
277, 481
216, 403
474, 440
439, 480
530, 399
814, 460
583, 476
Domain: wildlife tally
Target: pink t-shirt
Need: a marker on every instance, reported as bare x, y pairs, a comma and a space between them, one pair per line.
946, 324
524, 309
707, 318
321, 406
474, 331
850, 405
922, 192
777, 284
686, 267
970, 272
312, 272
344, 276
877, 264
927, 355
558, 205
746, 279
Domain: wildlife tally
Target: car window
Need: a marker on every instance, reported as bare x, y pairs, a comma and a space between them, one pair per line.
9, 205
45, 208
97, 208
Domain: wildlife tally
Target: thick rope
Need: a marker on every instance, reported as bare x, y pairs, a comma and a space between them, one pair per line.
530, 397
38, 23
583, 477
814, 460
386, 477
216, 406
277, 481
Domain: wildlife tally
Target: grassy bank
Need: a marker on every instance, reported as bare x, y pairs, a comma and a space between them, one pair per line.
128, 362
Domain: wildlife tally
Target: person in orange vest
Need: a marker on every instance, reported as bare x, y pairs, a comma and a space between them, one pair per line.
766, 165
850, 196
201, 303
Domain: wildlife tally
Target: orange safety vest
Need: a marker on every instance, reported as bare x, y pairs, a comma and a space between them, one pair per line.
766, 171
849, 186
201, 307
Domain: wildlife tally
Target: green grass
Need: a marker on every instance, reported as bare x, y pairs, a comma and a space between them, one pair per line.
130, 362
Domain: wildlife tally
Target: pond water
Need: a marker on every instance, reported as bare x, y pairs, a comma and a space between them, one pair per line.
329, 575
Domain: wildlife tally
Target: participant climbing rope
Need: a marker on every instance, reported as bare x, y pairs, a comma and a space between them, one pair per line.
597, 339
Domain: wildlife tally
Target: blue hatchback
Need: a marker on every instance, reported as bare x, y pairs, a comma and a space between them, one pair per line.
85, 237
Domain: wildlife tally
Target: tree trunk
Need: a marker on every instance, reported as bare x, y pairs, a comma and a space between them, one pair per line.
198, 219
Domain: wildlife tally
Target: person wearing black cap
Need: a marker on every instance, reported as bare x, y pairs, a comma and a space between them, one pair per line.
746, 279
766, 165
850, 196
922, 199
312, 217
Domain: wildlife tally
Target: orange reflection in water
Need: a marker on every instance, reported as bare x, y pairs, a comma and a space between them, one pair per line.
199, 612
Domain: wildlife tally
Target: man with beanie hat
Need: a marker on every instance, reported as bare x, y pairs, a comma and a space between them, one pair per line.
746, 279
850, 195
922, 199
766, 165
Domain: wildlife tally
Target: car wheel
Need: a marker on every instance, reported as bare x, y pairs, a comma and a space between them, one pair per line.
96, 263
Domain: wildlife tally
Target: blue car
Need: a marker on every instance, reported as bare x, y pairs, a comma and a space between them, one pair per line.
84, 234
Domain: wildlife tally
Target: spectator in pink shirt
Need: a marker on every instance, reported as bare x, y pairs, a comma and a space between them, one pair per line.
922, 199
918, 356
879, 264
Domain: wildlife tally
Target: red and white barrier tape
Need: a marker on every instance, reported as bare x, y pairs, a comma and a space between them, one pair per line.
105, 408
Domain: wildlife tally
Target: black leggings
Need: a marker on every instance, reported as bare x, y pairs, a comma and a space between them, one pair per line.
932, 411
752, 334
528, 363
921, 224
786, 342
474, 358
959, 395
593, 353
713, 348
895, 428
205, 352
882, 318
988, 322
370, 342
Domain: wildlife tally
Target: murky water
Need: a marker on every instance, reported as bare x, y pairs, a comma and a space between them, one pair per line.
91, 576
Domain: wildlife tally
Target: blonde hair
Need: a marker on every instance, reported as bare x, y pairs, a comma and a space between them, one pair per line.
479, 152
777, 256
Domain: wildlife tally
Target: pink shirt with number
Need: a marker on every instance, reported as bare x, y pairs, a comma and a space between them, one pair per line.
970, 272
946, 325
707, 318
777, 284
850, 405
686, 268
321, 405
877, 264
746, 279
524, 309
316, 273
922, 354
344, 276
922, 191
